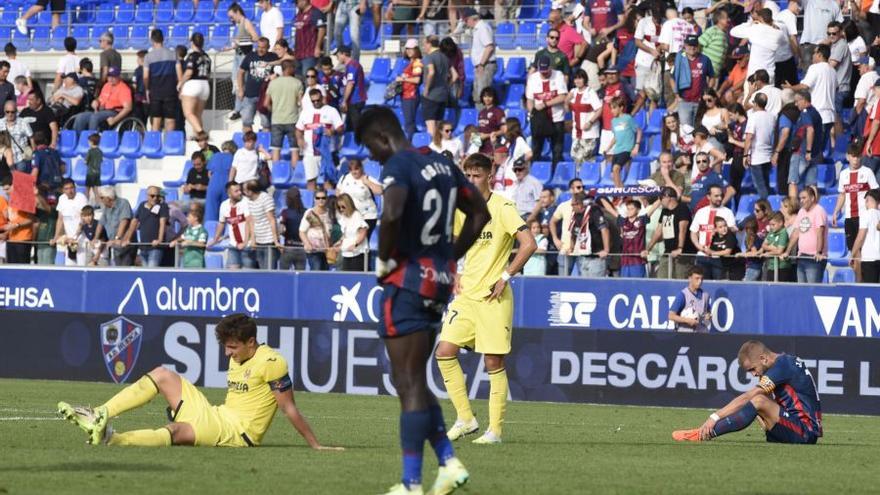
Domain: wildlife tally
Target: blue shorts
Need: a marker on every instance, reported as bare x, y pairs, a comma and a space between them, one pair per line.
404, 312
633, 271
790, 429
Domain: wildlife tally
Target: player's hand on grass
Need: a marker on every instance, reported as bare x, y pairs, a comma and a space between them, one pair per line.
497, 290
706, 429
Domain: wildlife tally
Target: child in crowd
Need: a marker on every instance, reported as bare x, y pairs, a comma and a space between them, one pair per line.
194, 239
85, 237
94, 159
753, 243
87, 80
773, 247
625, 142
537, 264
723, 250
23, 89
207, 149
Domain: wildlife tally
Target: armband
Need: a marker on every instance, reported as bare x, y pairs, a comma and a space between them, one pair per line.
282, 384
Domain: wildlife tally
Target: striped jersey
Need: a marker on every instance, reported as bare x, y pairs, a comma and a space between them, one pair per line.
853, 184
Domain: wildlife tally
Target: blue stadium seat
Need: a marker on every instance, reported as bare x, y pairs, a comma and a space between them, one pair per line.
655, 122
372, 169
514, 98
182, 179
220, 15
641, 118
79, 172
219, 37
828, 202
505, 36
350, 148
179, 35
380, 71
164, 13
130, 147
21, 41
308, 197
468, 117
499, 74
468, 69
564, 173
655, 148
175, 143
105, 14
213, 261
837, 251
299, 176
126, 171
827, 180
519, 114
775, 201
125, 14
204, 29
67, 143
108, 171
152, 144
516, 71
109, 144
42, 35
82, 146
56, 41
421, 139
638, 171
466, 100
205, 13
171, 195
590, 173
746, 206
399, 65
527, 35
562, 198
607, 179
282, 175
844, 275
139, 38
376, 94
144, 13
184, 11
43, 18
542, 171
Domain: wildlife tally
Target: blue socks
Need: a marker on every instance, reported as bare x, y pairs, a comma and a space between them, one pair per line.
736, 421
415, 428
437, 436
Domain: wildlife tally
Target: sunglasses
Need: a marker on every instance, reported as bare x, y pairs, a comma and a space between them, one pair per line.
320, 198
552, 37
311, 76
11, 112
832, 33
702, 161
519, 169
152, 195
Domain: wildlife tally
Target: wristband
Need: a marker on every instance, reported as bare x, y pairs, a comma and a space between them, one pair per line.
505, 276
715, 417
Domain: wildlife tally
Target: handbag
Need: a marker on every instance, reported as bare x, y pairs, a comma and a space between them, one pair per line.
393, 90
27, 153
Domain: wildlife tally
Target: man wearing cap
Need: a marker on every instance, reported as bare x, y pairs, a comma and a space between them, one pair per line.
354, 96
113, 104
68, 96
482, 52
693, 75
311, 27
864, 99
558, 60
546, 91
526, 188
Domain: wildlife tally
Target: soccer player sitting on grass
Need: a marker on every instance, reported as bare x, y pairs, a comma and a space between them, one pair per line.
257, 382
481, 316
785, 401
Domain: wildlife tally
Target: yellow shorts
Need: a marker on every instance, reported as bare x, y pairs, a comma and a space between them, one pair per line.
479, 325
214, 426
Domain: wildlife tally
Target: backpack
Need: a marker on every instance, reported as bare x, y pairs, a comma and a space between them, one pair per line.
49, 163
264, 175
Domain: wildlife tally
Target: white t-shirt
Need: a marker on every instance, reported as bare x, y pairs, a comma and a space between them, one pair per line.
360, 193
69, 210
579, 129
871, 247
704, 223
538, 88
673, 32
817, 15
326, 117
482, 37
270, 21
646, 31
761, 125
453, 146
865, 89
306, 102
235, 217
350, 226
774, 9
245, 162
821, 78
788, 18
17, 68
67, 63
784, 52
765, 42
854, 184
264, 204
774, 100
857, 49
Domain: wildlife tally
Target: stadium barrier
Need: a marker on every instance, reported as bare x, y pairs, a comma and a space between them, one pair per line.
575, 340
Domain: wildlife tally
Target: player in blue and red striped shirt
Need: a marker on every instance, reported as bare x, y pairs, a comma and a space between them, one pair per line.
785, 401
416, 267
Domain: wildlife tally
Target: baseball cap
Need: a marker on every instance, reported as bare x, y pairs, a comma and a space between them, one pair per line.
412, 43
544, 63
692, 40
113, 72
519, 163
469, 12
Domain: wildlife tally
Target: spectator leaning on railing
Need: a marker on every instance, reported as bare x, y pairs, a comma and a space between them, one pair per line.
236, 218
150, 223
265, 239
115, 218
810, 236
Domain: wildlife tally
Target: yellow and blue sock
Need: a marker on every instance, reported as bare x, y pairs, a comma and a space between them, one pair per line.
133, 396
439, 441
143, 438
414, 428
498, 388
736, 421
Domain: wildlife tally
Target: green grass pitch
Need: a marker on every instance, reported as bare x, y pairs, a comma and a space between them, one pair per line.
549, 448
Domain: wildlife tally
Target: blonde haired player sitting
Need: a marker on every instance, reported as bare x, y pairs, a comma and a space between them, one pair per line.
258, 383
481, 315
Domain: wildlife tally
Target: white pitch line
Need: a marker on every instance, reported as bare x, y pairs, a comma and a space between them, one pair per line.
26, 418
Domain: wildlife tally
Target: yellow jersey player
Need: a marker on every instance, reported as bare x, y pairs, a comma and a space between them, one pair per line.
258, 384
481, 315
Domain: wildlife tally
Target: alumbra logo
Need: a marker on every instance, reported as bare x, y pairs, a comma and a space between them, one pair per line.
860, 315
176, 297
571, 309
346, 302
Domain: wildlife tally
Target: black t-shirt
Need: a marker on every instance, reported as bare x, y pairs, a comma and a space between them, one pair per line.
291, 220
199, 63
669, 220
7, 92
728, 241
41, 119
597, 224
198, 178
148, 220
257, 70
90, 85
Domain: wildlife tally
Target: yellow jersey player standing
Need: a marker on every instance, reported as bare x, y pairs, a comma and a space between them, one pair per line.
258, 384
481, 315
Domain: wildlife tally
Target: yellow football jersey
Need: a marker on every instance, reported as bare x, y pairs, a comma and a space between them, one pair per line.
487, 258
250, 390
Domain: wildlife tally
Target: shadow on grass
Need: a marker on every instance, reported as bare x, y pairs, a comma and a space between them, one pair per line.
91, 466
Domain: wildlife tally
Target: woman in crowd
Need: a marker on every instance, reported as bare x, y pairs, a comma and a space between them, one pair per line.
243, 44
586, 108
675, 139
362, 190
353, 245
410, 80
290, 220
490, 120
314, 232
714, 118
789, 210
6, 158
442, 142
193, 87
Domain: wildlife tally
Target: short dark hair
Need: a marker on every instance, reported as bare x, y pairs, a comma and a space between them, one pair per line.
805, 94
716, 186
874, 194
695, 270
198, 39
230, 184
325, 61
86, 65
10, 50
573, 180
5, 65
669, 192
95, 139
249, 136
477, 160
197, 154
156, 36
854, 149
315, 91
762, 75
40, 138
238, 327
70, 43
68, 181
87, 210
761, 100
824, 51
288, 66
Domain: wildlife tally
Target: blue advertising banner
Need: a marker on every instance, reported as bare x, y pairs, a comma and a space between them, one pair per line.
541, 302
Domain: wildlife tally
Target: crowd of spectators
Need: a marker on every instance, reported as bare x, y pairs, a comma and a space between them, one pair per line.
737, 90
